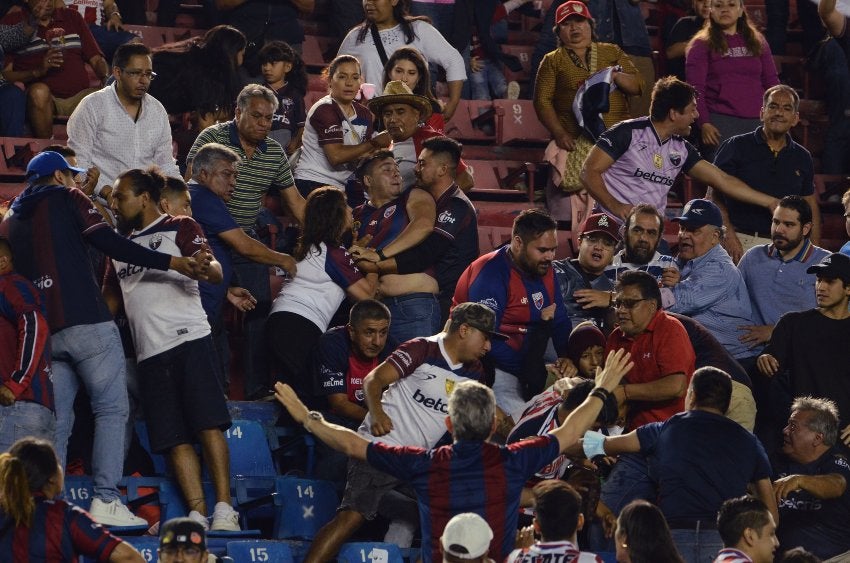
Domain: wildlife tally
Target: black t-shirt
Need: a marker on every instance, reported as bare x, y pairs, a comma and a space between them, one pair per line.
820, 526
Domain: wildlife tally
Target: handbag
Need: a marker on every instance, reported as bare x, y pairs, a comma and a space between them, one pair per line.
571, 175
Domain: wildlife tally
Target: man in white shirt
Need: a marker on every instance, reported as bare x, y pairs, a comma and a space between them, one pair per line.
121, 126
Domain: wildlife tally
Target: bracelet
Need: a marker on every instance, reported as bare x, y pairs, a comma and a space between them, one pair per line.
311, 416
380, 253
600, 393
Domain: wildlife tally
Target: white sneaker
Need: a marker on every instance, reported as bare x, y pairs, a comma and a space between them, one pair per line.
513, 90
200, 519
225, 519
114, 514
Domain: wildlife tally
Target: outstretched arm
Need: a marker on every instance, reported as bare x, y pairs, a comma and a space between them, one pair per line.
337, 437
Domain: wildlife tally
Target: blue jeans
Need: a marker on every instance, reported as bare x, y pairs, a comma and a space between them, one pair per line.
697, 546
93, 355
413, 315
25, 418
490, 79
629, 480
13, 103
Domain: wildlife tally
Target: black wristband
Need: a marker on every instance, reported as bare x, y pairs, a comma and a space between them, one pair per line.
380, 253
600, 393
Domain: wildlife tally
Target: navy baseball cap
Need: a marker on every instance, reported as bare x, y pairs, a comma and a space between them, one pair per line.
183, 532
46, 163
699, 212
836, 265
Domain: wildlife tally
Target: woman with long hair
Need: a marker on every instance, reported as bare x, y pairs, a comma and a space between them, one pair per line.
200, 75
642, 535
35, 526
409, 66
729, 63
389, 22
303, 309
338, 131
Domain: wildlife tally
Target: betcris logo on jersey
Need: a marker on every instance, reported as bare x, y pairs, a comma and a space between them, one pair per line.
129, 270
430, 403
653, 177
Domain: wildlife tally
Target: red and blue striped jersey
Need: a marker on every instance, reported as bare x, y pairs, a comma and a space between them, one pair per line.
59, 533
23, 328
517, 300
467, 476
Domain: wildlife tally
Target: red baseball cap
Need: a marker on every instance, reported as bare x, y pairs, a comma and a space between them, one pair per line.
572, 8
601, 223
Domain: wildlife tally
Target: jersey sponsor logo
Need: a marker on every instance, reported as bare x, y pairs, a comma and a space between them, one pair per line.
490, 302
155, 241
801, 504
182, 331
675, 158
333, 129
403, 357
44, 282
373, 222
388, 212
647, 355
93, 210
430, 403
653, 177
524, 300
129, 270
445, 217
538, 299
199, 240
841, 461
333, 382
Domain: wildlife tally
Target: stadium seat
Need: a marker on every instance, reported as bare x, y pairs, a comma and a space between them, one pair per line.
172, 505
305, 505
369, 552
260, 550
517, 123
146, 545
504, 179
249, 449
473, 121
523, 53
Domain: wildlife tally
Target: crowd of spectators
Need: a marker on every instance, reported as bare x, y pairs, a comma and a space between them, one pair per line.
505, 404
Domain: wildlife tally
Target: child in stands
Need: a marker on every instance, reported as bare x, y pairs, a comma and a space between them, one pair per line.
284, 73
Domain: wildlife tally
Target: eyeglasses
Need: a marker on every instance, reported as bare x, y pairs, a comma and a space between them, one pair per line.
627, 303
600, 239
188, 551
136, 74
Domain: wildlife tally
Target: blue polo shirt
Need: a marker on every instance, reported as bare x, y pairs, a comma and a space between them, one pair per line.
749, 158
778, 286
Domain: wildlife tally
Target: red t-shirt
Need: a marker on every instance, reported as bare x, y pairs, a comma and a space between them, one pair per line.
661, 350
77, 44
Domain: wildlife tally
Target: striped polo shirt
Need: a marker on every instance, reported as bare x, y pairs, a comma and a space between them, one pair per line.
267, 168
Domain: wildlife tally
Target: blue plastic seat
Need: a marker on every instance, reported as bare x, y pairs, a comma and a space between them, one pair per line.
250, 551
303, 507
369, 552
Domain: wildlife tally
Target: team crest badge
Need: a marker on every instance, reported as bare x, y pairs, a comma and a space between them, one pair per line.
450, 386
388, 212
538, 300
155, 241
657, 161
675, 158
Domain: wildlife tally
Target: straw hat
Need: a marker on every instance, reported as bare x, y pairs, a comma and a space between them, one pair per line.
397, 92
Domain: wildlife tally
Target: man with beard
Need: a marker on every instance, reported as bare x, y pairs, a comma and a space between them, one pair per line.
778, 282
518, 283
586, 291
770, 161
121, 126
808, 349
644, 229
181, 395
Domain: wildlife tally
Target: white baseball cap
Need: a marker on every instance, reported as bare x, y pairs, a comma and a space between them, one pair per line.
467, 536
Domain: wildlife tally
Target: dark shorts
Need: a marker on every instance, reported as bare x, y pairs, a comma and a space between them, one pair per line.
365, 487
181, 394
